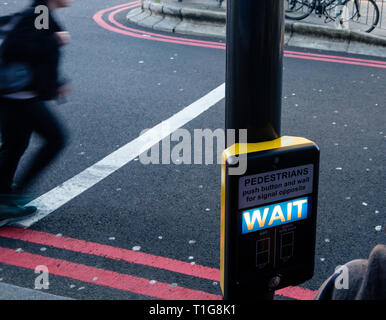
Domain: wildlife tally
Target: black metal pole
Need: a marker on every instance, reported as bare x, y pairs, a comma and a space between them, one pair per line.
254, 71
255, 37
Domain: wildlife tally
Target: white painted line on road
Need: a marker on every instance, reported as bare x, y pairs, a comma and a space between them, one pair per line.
57, 197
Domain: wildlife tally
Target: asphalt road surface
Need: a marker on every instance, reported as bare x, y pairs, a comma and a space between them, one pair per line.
125, 230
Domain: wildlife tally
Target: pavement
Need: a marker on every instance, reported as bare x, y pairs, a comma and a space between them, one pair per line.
207, 18
11, 292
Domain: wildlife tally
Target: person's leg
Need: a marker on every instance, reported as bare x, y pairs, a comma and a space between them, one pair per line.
15, 136
44, 123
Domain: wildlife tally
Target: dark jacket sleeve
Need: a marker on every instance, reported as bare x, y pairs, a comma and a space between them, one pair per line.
37, 48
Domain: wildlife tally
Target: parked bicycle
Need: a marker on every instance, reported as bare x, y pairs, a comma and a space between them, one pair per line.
360, 15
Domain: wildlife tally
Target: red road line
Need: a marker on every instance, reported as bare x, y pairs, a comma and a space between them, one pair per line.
103, 277
112, 15
297, 293
153, 36
98, 18
209, 44
130, 256
110, 252
335, 57
126, 5
335, 60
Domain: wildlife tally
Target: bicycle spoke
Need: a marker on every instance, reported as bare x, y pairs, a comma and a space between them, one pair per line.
298, 9
361, 15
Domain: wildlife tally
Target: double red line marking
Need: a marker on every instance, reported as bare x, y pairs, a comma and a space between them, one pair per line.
337, 59
117, 27
103, 277
116, 280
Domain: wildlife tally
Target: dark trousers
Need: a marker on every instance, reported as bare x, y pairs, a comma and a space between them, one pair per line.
18, 120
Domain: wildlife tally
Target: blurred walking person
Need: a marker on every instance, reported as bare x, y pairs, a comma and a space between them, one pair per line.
25, 112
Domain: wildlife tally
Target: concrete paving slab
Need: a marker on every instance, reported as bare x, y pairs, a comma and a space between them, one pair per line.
200, 29
11, 292
312, 42
139, 17
167, 24
366, 49
151, 20
134, 12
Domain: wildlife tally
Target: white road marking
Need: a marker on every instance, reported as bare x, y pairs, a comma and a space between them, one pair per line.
57, 197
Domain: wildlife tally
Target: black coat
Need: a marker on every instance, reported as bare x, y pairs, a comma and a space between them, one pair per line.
37, 48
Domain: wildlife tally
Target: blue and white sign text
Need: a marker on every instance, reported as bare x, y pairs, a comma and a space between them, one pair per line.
274, 215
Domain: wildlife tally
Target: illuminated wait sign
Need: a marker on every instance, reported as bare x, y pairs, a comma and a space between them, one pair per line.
274, 215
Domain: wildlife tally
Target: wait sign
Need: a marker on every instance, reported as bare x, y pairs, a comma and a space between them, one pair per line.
274, 215
268, 216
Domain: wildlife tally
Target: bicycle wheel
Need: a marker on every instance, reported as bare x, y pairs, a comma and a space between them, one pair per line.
358, 15
298, 9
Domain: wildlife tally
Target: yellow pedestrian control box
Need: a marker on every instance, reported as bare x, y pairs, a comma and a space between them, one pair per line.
268, 215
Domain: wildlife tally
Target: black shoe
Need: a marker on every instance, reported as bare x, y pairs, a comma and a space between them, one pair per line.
14, 213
